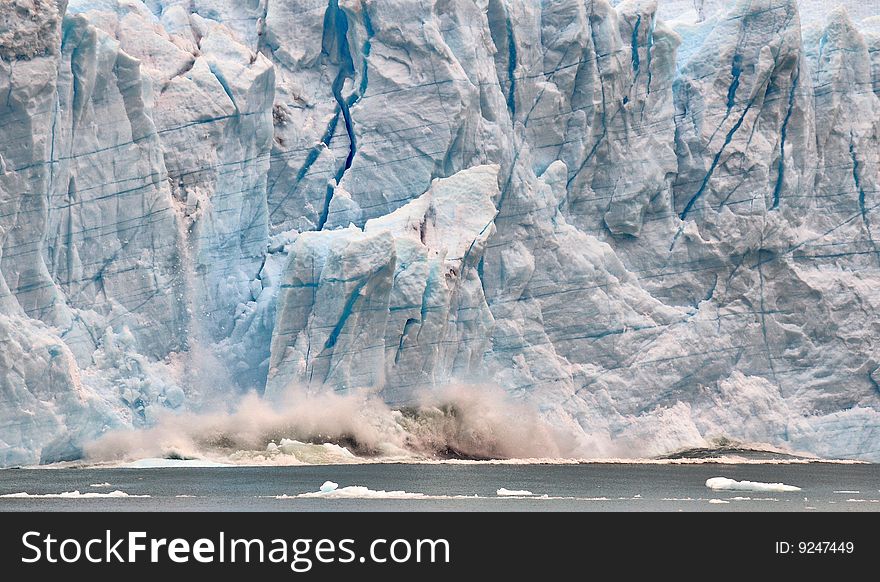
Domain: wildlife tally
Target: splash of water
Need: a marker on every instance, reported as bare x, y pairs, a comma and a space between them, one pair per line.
458, 421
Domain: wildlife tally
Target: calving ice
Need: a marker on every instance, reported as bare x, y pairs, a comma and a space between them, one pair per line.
647, 228
300, 554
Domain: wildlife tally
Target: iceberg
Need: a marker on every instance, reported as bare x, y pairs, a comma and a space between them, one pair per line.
358, 492
502, 492
653, 222
71, 495
725, 484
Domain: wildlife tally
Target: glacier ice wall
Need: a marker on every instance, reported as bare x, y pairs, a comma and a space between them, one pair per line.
656, 224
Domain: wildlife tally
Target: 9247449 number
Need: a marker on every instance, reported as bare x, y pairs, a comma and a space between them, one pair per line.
815, 547
826, 547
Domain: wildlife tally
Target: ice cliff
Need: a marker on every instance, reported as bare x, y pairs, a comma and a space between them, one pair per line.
658, 231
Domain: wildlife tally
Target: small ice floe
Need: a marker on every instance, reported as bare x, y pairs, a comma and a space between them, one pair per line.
358, 492
847, 492
329, 486
69, 495
718, 501
311, 453
725, 484
513, 493
100, 485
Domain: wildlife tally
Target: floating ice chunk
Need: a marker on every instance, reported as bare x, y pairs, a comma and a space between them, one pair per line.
513, 493
718, 501
329, 486
314, 454
68, 495
848, 491
100, 485
289, 446
359, 492
725, 484
339, 450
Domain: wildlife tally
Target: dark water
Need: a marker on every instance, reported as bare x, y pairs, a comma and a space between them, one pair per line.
633, 487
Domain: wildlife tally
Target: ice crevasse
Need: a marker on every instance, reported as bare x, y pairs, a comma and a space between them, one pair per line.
656, 225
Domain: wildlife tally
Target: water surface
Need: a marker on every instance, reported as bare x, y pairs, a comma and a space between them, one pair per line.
585, 487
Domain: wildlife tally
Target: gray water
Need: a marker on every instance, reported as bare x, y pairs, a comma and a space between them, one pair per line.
586, 487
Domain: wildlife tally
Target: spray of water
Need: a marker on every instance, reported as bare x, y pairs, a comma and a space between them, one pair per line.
459, 421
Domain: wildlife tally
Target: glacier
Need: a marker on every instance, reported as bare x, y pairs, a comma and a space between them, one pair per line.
654, 221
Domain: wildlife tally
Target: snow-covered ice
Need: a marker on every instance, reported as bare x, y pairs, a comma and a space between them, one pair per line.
360, 492
70, 495
725, 484
502, 492
655, 224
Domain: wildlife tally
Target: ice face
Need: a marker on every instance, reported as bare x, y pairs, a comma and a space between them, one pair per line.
394, 306
654, 221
